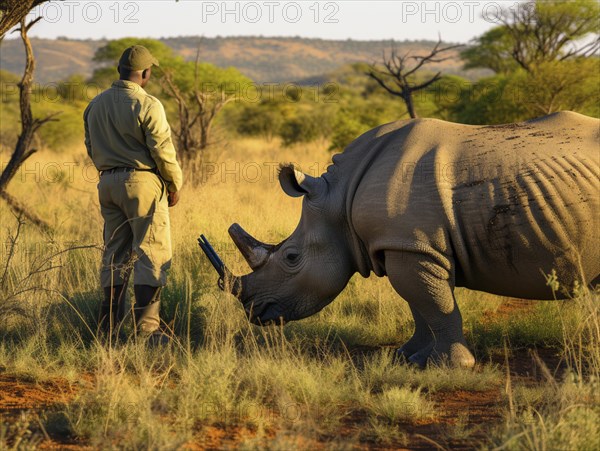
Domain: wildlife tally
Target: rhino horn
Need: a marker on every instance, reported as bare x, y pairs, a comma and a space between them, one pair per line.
255, 252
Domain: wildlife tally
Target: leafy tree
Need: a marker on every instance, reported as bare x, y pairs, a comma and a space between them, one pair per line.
491, 100
201, 91
545, 56
361, 113
562, 85
76, 89
103, 77
350, 78
112, 51
439, 99
539, 32
12, 12
492, 50
552, 86
263, 119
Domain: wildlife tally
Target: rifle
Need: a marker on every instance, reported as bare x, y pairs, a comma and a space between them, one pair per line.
213, 257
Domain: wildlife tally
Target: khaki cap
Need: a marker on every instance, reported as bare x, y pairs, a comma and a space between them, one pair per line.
137, 57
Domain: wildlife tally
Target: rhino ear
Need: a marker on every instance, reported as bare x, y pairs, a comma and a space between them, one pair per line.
297, 184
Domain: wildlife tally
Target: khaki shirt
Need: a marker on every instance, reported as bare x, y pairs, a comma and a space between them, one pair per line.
127, 127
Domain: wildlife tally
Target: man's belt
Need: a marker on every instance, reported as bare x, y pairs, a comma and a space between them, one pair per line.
125, 169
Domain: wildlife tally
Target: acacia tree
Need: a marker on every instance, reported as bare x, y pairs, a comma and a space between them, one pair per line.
537, 32
492, 50
544, 31
13, 11
545, 55
398, 73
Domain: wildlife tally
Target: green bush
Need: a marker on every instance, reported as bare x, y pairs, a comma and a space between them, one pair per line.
262, 119
307, 126
346, 130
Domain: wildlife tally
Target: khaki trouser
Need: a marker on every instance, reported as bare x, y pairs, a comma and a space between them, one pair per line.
137, 234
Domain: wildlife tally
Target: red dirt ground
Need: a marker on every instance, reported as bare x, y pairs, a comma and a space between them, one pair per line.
23, 395
473, 413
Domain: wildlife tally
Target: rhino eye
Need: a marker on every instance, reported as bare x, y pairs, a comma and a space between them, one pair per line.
292, 257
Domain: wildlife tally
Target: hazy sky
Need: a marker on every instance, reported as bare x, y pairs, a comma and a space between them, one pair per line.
457, 21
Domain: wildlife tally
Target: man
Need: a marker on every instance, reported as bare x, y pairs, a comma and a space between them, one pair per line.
128, 138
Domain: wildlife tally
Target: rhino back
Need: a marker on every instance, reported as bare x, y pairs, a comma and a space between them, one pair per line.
496, 206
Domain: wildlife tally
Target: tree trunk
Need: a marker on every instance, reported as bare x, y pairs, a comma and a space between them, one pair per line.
29, 126
408, 100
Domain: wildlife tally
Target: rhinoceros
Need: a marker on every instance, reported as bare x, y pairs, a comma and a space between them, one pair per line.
435, 205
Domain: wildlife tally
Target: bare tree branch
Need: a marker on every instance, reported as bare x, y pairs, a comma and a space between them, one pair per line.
540, 37
197, 112
397, 72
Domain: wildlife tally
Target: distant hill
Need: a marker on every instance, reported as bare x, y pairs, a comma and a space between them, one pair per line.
55, 59
263, 59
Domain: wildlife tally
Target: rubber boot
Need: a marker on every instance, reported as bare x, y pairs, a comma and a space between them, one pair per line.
147, 314
112, 309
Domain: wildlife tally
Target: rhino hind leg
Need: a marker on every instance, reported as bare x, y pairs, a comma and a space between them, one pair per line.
426, 286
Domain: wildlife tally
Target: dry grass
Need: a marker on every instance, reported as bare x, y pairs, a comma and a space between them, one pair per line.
289, 387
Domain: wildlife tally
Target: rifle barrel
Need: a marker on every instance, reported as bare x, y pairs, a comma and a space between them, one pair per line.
212, 255
212, 251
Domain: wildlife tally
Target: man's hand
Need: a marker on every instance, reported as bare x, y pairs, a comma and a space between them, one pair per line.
173, 198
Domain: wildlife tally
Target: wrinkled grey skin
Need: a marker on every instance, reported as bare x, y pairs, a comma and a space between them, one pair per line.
434, 205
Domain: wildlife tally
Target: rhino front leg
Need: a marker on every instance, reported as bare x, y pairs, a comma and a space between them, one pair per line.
421, 341
428, 289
